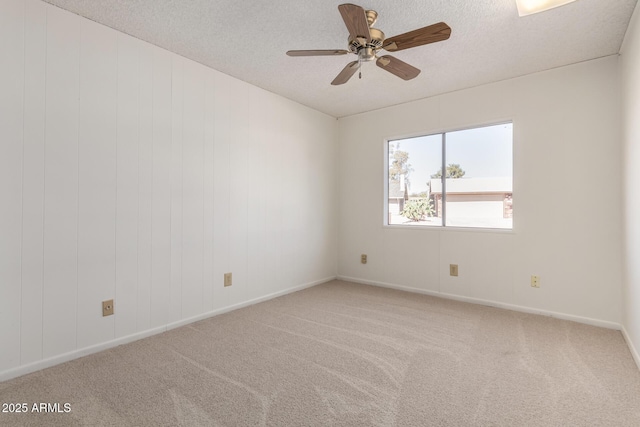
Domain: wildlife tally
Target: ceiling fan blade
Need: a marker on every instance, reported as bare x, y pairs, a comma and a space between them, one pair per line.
320, 52
356, 20
431, 34
346, 73
397, 67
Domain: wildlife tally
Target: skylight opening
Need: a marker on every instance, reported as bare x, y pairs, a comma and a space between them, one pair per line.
529, 7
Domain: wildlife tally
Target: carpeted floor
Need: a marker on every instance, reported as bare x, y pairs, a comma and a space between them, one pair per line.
344, 354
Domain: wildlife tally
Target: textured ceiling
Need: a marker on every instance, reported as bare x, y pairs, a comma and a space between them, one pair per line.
248, 40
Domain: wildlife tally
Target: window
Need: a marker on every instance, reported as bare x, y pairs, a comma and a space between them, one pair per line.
475, 191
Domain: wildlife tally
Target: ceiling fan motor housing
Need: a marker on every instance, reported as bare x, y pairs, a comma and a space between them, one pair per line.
366, 51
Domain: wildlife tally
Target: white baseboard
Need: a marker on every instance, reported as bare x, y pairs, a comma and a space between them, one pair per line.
531, 310
76, 354
223, 310
632, 348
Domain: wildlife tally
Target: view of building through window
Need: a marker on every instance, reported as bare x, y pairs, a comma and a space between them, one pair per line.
478, 182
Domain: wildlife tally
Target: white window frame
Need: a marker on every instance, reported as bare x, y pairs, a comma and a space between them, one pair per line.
385, 201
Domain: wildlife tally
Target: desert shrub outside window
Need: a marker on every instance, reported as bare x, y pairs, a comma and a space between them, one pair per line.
476, 190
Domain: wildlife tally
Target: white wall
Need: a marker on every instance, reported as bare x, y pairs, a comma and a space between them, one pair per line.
566, 154
630, 60
129, 172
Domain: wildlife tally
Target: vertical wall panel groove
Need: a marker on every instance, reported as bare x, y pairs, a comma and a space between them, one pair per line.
61, 176
44, 186
128, 186
137, 189
33, 182
145, 184
161, 236
161, 221
22, 189
223, 137
78, 183
12, 62
175, 309
238, 200
209, 119
145, 196
192, 189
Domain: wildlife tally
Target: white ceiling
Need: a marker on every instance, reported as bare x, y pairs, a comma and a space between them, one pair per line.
248, 40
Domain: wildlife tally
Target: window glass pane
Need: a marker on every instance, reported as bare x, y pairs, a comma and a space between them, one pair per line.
479, 184
412, 162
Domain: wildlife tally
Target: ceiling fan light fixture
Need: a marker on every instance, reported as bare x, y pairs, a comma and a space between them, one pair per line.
366, 54
529, 7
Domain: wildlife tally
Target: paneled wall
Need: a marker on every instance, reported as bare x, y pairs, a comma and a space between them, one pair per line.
567, 154
129, 172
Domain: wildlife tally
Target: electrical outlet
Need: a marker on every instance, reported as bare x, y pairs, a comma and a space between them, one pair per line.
363, 258
453, 270
227, 279
107, 308
535, 281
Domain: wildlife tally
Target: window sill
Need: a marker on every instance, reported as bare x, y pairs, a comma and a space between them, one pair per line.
450, 229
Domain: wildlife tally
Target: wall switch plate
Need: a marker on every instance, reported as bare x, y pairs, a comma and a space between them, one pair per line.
107, 308
363, 258
535, 281
453, 270
227, 279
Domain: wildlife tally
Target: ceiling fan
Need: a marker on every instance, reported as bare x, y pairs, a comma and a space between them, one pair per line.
365, 41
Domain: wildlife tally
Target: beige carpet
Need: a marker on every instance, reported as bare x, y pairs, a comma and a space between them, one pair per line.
344, 354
